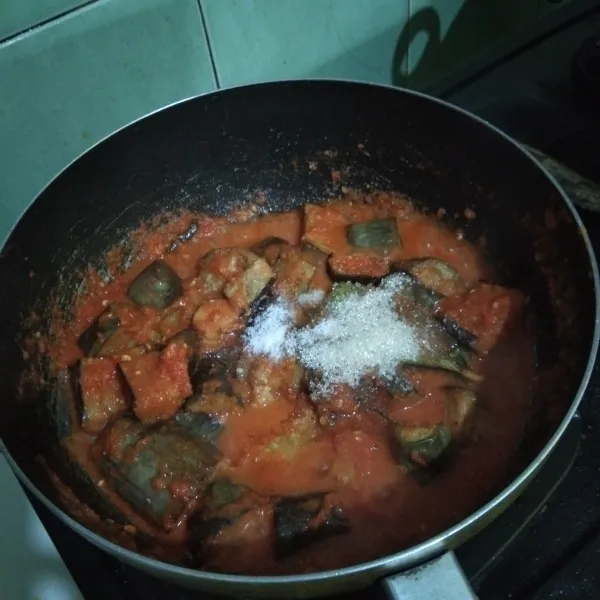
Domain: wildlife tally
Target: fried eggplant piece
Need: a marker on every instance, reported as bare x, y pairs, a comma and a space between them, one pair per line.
420, 446
160, 470
301, 521
102, 393
159, 382
157, 286
380, 234
96, 335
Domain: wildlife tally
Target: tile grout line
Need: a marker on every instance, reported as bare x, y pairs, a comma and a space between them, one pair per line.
407, 51
22, 32
209, 45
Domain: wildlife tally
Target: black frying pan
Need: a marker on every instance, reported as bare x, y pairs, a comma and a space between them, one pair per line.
214, 152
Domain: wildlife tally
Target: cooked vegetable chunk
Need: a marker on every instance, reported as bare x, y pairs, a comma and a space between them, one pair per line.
357, 266
200, 425
381, 234
264, 299
161, 471
325, 228
59, 405
399, 385
269, 380
215, 320
300, 522
421, 446
293, 274
224, 503
92, 339
464, 337
103, 396
343, 289
157, 286
246, 287
487, 311
448, 358
228, 263
193, 343
424, 290
460, 408
123, 329
435, 274
303, 430
416, 292
159, 381
318, 259
438, 350
241, 533
222, 492
216, 399
270, 249
216, 365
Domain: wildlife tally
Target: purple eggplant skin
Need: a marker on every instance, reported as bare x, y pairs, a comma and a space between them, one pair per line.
380, 234
200, 425
223, 505
157, 286
220, 364
92, 339
135, 457
192, 340
262, 246
295, 527
463, 336
55, 422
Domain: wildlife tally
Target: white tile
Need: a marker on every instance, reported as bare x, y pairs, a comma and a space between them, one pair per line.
18, 15
30, 566
258, 40
68, 84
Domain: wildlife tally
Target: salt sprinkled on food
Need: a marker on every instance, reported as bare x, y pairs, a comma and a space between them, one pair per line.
268, 333
311, 298
360, 332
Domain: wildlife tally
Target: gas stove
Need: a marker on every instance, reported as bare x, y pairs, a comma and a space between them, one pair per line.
547, 545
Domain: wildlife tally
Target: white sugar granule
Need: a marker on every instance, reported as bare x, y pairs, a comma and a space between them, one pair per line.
311, 298
270, 330
360, 333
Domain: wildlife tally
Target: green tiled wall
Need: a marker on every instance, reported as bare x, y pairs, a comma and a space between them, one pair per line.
19, 15
68, 84
256, 40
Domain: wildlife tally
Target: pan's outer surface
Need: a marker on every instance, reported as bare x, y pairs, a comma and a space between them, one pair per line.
214, 152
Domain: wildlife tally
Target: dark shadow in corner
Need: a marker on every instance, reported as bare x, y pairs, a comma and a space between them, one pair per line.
478, 27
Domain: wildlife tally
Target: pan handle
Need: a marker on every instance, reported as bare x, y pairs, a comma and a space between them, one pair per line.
440, 578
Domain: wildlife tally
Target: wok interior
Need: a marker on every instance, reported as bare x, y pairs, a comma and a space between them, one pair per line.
215, 152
